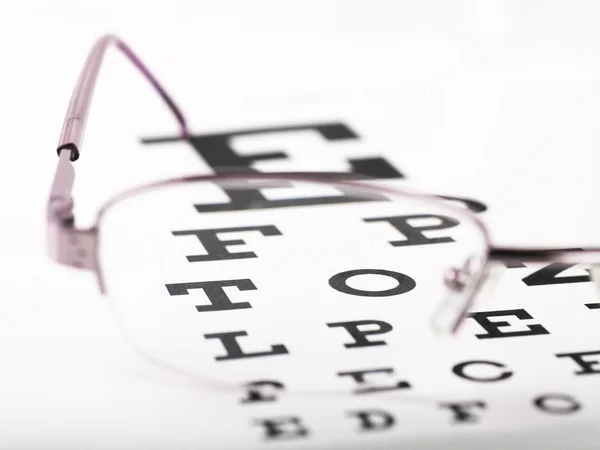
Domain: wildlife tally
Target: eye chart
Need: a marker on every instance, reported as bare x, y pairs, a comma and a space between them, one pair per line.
350, 360
276, 326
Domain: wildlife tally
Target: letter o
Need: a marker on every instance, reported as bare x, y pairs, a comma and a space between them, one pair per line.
339, 283
570, 404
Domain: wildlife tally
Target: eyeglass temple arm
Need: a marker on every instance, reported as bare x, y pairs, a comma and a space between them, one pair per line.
75, 121
71, 138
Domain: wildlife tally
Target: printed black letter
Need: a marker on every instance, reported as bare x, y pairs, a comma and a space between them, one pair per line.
493, 328
373, 419
360, 336
547, 275
557, 404
340, 283
587, 367
216, 249
234, 351
359, 377
283, 427
217, 151
461, 410
215, 293
414, 233
256, 391
459, 370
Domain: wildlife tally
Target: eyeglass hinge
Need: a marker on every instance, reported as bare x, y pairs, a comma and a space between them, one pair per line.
71, 246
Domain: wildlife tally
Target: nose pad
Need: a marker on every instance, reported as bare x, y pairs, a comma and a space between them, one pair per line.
462, 283
456, 279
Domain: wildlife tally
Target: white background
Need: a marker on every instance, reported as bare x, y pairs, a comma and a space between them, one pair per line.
496, 100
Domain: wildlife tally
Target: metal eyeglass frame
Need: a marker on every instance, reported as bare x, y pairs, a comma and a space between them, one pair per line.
78, 247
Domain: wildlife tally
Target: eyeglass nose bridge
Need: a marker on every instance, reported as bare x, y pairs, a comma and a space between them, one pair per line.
467, 286
464, 283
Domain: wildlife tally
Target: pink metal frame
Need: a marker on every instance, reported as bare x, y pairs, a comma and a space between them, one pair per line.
78, 247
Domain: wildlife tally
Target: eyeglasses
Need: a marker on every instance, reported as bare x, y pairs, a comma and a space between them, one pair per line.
229, 277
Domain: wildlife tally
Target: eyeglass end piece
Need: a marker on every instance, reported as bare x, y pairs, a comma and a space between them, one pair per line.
71, 246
